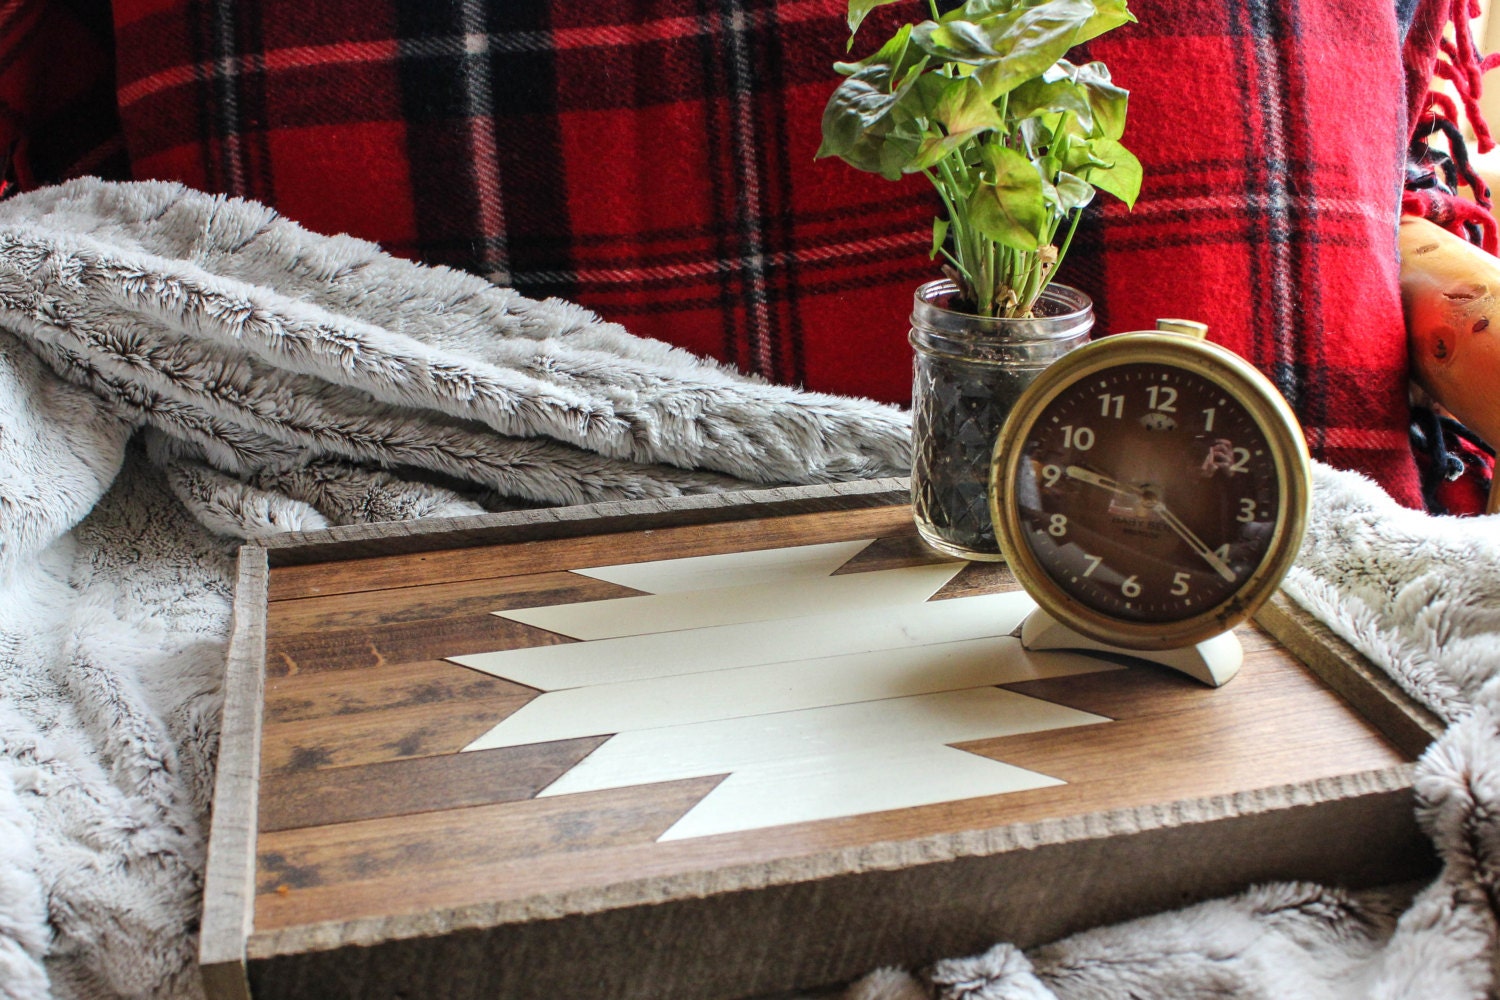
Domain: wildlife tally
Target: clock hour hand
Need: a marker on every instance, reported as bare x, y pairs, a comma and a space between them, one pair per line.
1194, 542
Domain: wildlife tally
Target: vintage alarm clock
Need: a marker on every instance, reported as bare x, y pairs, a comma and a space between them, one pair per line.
1149, 490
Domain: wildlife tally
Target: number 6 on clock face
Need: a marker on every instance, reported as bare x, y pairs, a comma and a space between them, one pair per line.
1150, 489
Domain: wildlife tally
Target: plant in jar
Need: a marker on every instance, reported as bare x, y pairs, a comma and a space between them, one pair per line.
1016, 140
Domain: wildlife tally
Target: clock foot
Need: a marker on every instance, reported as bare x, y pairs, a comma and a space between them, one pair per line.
1212, 661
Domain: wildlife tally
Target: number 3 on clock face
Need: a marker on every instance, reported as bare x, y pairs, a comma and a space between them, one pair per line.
1147, 497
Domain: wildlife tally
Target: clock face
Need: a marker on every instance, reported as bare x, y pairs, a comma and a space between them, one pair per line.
1148, 493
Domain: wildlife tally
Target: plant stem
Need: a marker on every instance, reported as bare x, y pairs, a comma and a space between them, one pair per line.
1062, 251
968, 245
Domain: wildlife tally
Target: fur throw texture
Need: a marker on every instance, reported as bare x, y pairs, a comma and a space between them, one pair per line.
179, 371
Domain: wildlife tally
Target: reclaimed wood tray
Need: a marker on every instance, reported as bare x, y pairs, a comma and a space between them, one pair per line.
730, 745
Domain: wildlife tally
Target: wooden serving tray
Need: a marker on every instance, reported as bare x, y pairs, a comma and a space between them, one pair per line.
719, 824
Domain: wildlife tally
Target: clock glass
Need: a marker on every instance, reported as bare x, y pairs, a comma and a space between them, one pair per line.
1147, 493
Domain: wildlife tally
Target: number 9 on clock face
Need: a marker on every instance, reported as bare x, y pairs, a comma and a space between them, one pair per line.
1153, 491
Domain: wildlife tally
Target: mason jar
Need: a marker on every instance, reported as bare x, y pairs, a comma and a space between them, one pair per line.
967, 372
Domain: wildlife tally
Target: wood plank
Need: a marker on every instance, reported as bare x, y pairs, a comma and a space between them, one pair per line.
360, 541
229, 877
372, 647
892, 550
392, 686
418, 784
386, 849
372, 609
744, 698
815, 636
1406, 722
673, 612
522, 557
425, 729
1260, 737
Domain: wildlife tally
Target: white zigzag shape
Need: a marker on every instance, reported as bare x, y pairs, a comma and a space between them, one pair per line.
817, 696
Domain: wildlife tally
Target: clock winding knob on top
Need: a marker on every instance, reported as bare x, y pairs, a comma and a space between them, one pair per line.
1191, 327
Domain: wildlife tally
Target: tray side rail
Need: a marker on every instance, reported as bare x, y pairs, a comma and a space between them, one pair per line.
229, 878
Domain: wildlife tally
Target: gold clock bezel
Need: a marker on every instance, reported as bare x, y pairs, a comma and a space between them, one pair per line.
1238, 379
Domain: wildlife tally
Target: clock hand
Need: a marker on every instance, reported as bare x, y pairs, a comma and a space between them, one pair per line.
1094, 479
1172, 520
1194, 542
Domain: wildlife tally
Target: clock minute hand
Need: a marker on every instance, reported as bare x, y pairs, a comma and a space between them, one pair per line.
1194, 542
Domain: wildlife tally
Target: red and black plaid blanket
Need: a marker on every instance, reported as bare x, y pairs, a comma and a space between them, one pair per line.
653, 159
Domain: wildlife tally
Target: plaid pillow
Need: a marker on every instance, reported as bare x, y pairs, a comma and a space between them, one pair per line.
1273, 139
653, 159
57, 93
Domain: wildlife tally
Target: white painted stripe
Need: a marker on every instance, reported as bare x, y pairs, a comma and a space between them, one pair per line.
731, 605
763, 689
666, 654
729, 569
803, 791
819, 735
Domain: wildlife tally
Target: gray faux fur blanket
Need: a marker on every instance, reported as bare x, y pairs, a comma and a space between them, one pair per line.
178, 372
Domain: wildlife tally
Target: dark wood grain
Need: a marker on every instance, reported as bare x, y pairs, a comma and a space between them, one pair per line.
1173, 739
357, 542
395, 856
1274, 726
386, 687
325, 797
538, 555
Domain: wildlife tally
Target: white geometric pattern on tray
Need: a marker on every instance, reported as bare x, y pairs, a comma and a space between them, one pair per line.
817, 696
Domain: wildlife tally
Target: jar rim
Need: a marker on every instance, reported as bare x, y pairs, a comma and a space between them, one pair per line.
929, 312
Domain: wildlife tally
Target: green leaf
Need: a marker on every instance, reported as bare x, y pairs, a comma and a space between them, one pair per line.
962, 108
1039, 97
1073, 192
934, 148
1031, 40
1037, 133
856, 106
939, 234
1010, 209
858, 9
1077, 154
898, 54
860, 117
1119, 171
1109, 15
982, 10
1107, 101
955, 41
